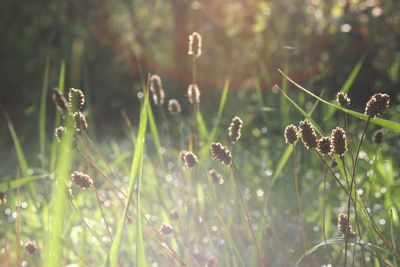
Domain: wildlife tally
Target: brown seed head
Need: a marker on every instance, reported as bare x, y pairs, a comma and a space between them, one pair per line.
157, 90
193, 94
234, 129
342, 99
344, 227
211, 262
174, 214
59, 101
174, 107
290, 134
215, 176
79, 121
59, 131
166, 229
76, 99
190, 159
324, 145
82, 180
3, 198
195, 44
30, 246
377, 136
377, 105
221, 153
339, 141
308, 135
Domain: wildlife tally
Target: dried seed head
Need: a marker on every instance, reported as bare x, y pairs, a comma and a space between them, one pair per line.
211, 262
291, 134
194, 44
344, 227
59, 101
377, 105
174, 107
324, 145
193, 94
3, 198
166, 229
174, 214
190, 159
339, 141
79, 121
221, 153
59, 131
234, 129
215, 176
157, 90
308, 135
377, 136
30, 246
76, 99
342, 99
82, 180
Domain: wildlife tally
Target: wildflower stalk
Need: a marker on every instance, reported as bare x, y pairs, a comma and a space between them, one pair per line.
352, 183
247, 215
298, 199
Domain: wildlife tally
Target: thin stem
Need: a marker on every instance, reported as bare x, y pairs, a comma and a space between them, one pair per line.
299, 208
351, 187
247, 215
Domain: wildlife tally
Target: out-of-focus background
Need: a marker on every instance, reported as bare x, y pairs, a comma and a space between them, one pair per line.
109, 46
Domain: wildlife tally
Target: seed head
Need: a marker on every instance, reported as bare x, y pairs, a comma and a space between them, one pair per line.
211, 262
344, 227
79, 121
182, 155
377, 105
157, 90
82, 180
76, 99
221, 153
324, 145
194, 44
308, 135
174, 214
193, 94
174, 107
216, 176
166, 229
30, 246
342, 99
3, 198
190, 159
290, 134
339, 141
377, 137
59, 131
234, 129
59, 101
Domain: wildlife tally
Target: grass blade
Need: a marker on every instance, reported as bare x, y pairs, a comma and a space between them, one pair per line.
42, 112
140, 251
54, 146
20, 182
136, 162
391, 125
58, 204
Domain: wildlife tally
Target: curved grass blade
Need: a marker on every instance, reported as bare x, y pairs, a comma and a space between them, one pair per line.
391, 125
140, 251
20, 182
136, 161
42, 112
201, 125
339, 240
